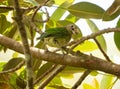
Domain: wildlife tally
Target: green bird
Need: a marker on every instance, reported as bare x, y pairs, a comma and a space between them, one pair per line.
58, 37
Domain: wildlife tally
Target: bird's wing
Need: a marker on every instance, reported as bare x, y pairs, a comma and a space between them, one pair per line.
55, 32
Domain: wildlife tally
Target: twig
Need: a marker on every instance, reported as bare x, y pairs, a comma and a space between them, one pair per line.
47, 17
32, 25
57, 69
14, 69
80, 80
44, 74
18, 18
38, 9
22, 8
91, 36
102, 51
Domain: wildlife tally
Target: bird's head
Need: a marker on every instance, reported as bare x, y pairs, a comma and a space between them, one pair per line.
72, 29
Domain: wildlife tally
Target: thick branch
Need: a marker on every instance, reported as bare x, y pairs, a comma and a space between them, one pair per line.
85, 61
18, 18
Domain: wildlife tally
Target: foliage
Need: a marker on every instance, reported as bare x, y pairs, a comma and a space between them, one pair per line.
59, 18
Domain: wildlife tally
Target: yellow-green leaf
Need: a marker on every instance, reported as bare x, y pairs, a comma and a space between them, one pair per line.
96, 83
86, 46
88, 86
59, 12
59, 2
94, 28
106, 82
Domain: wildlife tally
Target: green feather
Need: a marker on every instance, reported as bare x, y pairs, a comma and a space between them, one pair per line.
60, 32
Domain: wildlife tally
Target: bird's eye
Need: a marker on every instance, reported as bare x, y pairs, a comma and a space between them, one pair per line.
72, 27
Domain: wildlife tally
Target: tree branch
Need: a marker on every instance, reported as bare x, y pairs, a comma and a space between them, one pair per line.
80, 80
18, 18
102, 51
22, 8
51, 75
84, 61
93, 35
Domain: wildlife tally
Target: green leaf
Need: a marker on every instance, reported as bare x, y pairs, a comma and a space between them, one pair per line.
88, 86
12, 81
117, 39
44, 68
107, 17
72, 18
117, 36
86, 46
59, 2
56, 81
94, 73
59, 12
33, 2
12, 63
11, 32
100, 39
4, 24
2, 65
20, 82
86, 10
106, 82
49, 3
36, 64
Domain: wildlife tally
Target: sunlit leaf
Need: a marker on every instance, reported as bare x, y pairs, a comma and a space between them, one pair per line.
66, 76
94, 28
86, 10
95, 83
1, 65
94, 73
59, 12
88, 86
117, 36
59, 2
86, 46
72, 18
56, 81
106, 82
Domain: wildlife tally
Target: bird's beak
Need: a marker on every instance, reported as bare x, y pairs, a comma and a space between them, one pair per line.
75, 31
